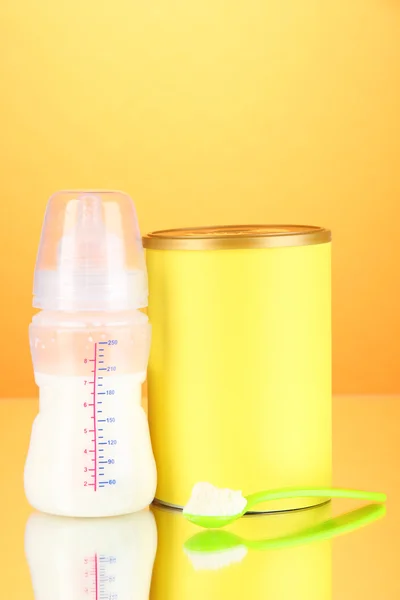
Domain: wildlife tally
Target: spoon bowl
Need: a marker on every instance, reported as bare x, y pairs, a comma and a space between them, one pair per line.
210, 522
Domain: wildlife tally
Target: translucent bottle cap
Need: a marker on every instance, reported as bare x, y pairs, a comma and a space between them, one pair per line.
90, 254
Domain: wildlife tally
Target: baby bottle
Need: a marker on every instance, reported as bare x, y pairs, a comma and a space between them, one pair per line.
90, 453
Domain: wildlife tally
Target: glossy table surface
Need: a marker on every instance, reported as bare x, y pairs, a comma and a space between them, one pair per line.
149, 555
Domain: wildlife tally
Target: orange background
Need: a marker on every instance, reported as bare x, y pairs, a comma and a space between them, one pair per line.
206, 113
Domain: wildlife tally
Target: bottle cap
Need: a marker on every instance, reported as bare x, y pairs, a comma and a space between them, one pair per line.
90, 254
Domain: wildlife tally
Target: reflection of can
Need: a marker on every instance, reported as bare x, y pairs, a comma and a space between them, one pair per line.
240, 367
238, 569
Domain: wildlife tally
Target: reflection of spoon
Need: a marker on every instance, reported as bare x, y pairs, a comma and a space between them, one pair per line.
211, 522
213, 543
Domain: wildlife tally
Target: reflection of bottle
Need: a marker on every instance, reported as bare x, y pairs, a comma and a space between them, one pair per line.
90, 453
91, 559
300, 573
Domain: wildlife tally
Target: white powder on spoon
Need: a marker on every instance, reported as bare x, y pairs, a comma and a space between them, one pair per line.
210, 501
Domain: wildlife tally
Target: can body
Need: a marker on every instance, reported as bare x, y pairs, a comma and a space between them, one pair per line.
240, 369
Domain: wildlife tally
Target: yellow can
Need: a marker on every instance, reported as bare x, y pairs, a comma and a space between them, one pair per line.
239, 382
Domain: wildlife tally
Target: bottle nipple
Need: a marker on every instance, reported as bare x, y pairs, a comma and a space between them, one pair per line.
89, 247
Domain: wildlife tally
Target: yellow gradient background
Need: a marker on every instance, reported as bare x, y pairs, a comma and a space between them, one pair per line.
206, 113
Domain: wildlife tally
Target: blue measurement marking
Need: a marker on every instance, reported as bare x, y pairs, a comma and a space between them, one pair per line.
102, 461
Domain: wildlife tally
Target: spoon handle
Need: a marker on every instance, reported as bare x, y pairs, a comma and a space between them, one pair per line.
282, 494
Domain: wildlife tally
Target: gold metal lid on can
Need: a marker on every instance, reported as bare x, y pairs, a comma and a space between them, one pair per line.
228, 237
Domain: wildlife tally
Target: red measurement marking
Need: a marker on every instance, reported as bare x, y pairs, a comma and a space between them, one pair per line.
95, 431
96, 578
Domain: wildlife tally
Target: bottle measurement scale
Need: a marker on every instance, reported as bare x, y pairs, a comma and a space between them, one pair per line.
100, 573
100, 438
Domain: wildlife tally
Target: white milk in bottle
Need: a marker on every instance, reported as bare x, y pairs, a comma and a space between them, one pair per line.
90, 453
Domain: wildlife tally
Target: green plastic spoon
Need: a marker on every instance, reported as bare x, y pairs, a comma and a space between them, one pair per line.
218, 541
210, 522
